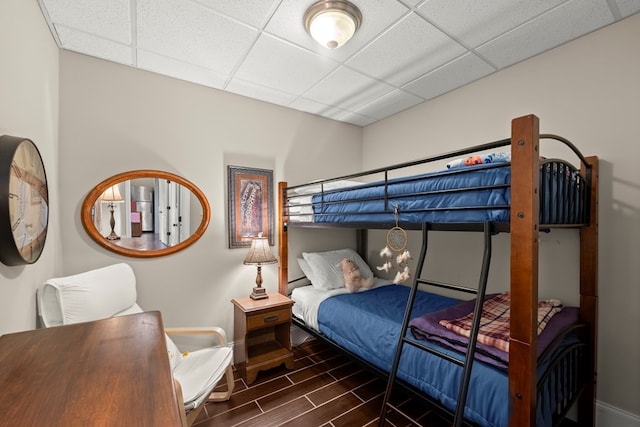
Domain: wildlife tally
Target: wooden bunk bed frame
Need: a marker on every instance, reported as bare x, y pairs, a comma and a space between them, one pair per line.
524, 228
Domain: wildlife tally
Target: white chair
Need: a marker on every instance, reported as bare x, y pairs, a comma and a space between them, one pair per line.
111, 291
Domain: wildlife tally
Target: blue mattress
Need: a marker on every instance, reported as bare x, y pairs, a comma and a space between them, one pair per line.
472, 194
368, 323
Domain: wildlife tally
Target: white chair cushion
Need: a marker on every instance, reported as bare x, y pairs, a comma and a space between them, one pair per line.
175, 356
92, 295
199, 371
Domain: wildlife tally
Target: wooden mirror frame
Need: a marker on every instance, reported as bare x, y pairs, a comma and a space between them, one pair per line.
90, 200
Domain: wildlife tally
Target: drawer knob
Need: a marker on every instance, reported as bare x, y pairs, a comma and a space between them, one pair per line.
271, 318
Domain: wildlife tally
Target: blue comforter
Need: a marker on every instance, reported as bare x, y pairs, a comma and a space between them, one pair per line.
368, 324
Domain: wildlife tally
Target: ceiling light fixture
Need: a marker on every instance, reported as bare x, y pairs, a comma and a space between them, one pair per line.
332, 23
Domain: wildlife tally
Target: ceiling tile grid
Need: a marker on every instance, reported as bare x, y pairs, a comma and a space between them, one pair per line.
404, 53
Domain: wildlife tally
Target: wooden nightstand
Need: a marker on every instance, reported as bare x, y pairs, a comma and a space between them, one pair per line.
262, 334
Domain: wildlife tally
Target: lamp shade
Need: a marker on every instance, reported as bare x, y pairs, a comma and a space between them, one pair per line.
260, 253
332, 23
112, 194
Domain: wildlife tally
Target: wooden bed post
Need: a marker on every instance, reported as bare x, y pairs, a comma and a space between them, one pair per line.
589, 294
283, 243
525, 207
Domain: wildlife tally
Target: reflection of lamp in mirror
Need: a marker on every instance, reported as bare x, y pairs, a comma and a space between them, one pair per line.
112, 195
259, 254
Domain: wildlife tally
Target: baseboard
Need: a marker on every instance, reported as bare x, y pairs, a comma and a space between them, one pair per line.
610, 416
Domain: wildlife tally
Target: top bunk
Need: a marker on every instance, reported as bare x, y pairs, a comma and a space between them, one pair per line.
458, 190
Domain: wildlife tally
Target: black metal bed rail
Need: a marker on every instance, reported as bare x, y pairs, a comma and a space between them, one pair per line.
467, 364
430, 159
448, 155
405, 386
564, 198
565, 379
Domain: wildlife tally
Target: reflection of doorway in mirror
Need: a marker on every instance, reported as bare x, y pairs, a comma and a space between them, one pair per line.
142, 203
173, 212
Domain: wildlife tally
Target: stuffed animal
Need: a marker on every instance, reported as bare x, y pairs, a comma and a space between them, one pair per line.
353, 279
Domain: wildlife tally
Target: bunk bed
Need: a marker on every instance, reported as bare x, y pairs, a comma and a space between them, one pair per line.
521, 194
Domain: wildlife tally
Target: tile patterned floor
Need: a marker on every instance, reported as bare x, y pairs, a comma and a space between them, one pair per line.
325, 389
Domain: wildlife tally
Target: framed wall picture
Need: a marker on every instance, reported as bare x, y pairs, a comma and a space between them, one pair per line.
250, 205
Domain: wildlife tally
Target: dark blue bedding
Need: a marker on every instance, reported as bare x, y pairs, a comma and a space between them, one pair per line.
475, 194
472, 194
368, 324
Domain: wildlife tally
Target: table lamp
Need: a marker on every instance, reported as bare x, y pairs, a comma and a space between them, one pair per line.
259, 254
112, 195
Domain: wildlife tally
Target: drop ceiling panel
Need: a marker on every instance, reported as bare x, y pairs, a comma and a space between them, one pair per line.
475, 22
405, 51
151, 61
457, 73
108, 19
549, 29
193, 34
89, 44
389, 104
251, 12
277, 64
347, 88
262, 93
356, 119
310, 106
628, 7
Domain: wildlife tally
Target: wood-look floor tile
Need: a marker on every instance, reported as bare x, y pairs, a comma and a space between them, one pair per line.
361, 415
325, 354
325, 389
346, 370
231, 417
249, 394
326, 412
371, 389
338, 388
300, 389
316, 369
280, 414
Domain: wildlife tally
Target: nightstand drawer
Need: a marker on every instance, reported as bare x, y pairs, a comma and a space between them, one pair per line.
268, 318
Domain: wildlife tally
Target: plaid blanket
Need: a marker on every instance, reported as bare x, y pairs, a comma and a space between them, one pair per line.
494, 322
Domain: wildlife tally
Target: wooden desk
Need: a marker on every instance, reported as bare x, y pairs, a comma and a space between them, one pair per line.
112, 372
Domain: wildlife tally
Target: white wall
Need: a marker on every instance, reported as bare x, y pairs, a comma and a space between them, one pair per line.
115, 118
588, 91
29, 109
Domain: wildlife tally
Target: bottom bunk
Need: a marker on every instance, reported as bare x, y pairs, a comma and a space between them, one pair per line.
367, 324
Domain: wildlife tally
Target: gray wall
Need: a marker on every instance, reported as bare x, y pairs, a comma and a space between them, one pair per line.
588, 91
29, 109
109, 118
115, 118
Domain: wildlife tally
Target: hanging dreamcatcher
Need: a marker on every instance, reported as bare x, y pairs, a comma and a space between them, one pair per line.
396, 250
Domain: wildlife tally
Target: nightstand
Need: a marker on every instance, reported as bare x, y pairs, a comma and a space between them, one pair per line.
262, 334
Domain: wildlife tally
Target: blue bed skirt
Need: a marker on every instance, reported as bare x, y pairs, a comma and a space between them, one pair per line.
368, 324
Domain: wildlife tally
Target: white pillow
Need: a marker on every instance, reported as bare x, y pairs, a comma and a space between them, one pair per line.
306, 269
326, 273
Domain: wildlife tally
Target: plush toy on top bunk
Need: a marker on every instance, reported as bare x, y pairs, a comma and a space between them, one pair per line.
353, 279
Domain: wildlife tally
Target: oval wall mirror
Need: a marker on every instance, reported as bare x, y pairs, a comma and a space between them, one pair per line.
145, 213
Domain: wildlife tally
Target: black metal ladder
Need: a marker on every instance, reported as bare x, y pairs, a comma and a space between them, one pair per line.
467, 365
